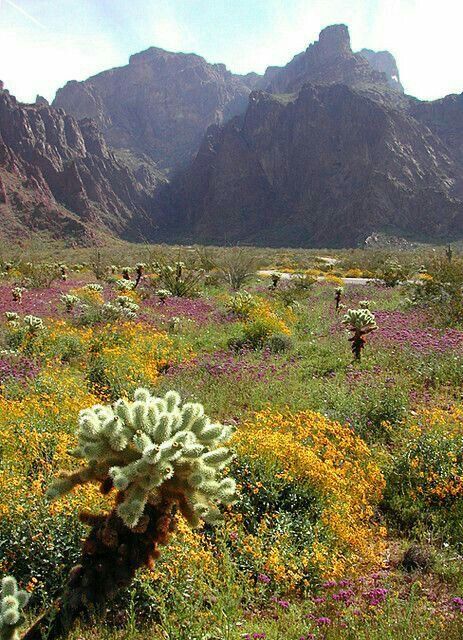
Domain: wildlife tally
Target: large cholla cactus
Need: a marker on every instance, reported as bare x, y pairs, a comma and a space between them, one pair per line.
12, 603
162, 457
70, 301
151, 448
17, 293
33, 324
360, 322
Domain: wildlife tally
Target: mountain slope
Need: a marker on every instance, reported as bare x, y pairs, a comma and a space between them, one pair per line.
324, 167
58, 175
160, 104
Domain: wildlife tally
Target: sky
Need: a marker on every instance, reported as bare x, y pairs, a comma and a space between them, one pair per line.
45, 43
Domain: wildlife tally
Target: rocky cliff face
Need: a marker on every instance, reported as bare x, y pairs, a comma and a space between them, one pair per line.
384, 62
323, 168
330, 60
160, 104
58, 175
323, 151
445, 118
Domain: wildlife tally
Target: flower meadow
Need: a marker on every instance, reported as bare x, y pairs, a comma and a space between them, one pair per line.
337, 471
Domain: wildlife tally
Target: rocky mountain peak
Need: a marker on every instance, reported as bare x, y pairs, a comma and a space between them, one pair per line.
384, 62
333, 41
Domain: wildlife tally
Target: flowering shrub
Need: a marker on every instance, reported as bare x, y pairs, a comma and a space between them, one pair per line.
264, 322
425, 483
120, 361
327, 461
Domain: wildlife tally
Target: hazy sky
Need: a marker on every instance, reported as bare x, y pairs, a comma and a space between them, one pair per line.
44, 43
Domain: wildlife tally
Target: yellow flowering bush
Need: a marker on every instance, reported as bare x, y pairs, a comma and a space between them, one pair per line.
126, 356
425, 483
264, 321
327, 478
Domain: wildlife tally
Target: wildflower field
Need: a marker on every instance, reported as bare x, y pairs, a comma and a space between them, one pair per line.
322, 397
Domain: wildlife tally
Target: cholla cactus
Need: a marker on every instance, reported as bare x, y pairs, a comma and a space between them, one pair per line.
33, 324
139, 269
124, 285
364, 304
174, 324
126, 273
17, 293
13, 602
70, 301
12, 318
337, 297
113, 269
163, 294
94, 287
152, 448
63, 270
449, 253
241, 304
360, 322
127, 305
162, 457
276, 277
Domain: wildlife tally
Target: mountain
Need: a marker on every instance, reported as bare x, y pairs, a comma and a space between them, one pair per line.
324, 167
58, 175
323, 151
159, 105
331, 60
331, 152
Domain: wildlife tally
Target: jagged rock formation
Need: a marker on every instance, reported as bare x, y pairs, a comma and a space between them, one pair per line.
445, 118
160, 104
324, 151
384, 62
58, 175
330, 60
323, 167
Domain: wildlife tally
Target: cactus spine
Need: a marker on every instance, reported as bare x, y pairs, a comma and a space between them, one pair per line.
13, 602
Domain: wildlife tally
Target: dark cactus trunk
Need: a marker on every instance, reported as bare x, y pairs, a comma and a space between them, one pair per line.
111, 555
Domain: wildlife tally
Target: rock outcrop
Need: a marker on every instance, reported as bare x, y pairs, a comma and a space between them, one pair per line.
324, 167
330, 60
58, 175
384, 62
326, 150
159, 105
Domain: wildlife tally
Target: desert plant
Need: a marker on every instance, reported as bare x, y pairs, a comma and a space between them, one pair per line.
178, 280
99, 266
12, 603
241, 304
161, 457
449, 253
337, 297
94, 287
238, 266
17, 293
364, 304
163, 294
392, 272
70, 301
275, 277
359, 322
12, 318
124, 285
33, 324
139, 270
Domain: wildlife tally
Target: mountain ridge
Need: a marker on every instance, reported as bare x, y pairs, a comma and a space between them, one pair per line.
135, 151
